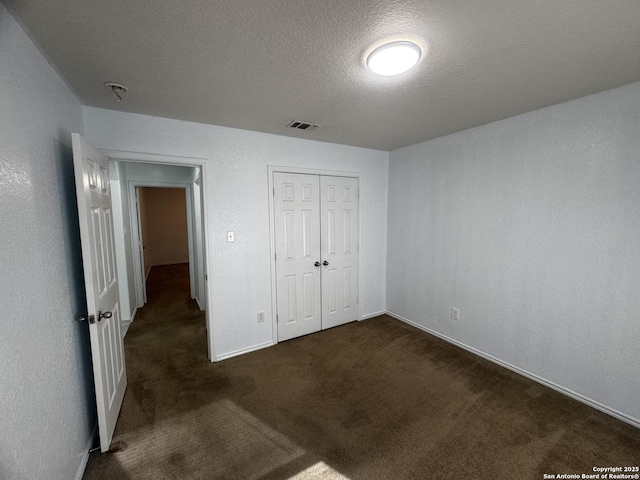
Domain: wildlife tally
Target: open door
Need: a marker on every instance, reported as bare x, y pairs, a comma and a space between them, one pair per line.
101, 284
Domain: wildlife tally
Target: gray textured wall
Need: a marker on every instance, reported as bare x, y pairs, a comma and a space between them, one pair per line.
531, 227
47, 397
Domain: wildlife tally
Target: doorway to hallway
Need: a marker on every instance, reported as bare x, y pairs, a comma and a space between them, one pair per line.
158, 220
163, 228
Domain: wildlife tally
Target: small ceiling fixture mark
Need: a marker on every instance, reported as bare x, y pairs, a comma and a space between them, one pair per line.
298, 125
117, 89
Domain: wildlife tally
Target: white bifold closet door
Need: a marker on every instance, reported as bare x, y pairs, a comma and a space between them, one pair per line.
316, 240
339, 249
297, 239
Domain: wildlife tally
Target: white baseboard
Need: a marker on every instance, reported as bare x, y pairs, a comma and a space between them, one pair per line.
165, 264
198, 303
124, 326
532, 376
85, 457
235, 353
126, 323
371, 315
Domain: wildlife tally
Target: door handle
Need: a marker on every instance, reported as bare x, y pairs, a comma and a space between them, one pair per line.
325, 263
317, 264
102, 315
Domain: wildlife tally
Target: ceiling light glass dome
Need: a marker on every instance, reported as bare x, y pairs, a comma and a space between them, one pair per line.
394, 58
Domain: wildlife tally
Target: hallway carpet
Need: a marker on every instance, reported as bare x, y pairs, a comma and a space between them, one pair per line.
370, 400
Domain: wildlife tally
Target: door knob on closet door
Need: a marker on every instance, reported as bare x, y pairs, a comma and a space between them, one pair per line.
325, 263
317, 264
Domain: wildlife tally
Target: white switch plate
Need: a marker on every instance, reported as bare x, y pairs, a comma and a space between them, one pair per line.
231, 237
260, 317
455, 314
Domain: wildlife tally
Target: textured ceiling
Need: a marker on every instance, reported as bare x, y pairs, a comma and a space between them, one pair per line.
258, 64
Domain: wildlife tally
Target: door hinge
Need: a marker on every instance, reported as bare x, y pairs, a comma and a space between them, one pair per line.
274, 191
275, 256
276, 318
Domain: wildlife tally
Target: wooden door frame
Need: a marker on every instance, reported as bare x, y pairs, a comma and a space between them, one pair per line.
271, 169
202, 163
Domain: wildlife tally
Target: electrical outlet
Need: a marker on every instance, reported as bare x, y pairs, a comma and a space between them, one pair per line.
455, 314
260, 317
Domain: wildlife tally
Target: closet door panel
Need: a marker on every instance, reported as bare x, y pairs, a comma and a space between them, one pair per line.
297, 242
339, 216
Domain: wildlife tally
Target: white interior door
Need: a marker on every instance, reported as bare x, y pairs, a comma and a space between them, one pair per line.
297, 225
103, 306
339, 250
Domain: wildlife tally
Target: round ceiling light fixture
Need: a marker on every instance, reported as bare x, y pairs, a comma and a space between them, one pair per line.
394, 58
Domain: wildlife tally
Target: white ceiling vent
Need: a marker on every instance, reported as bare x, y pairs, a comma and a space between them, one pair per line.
303, 125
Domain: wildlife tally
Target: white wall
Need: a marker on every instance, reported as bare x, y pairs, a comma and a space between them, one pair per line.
47, 410
236, 198
531, 227
156, 174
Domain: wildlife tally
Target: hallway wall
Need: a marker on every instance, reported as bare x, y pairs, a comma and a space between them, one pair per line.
47, 410
163, 219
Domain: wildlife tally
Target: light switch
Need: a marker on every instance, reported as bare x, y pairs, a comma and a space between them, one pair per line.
230, 237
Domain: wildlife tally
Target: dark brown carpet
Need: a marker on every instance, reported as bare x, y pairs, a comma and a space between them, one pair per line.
370, 400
